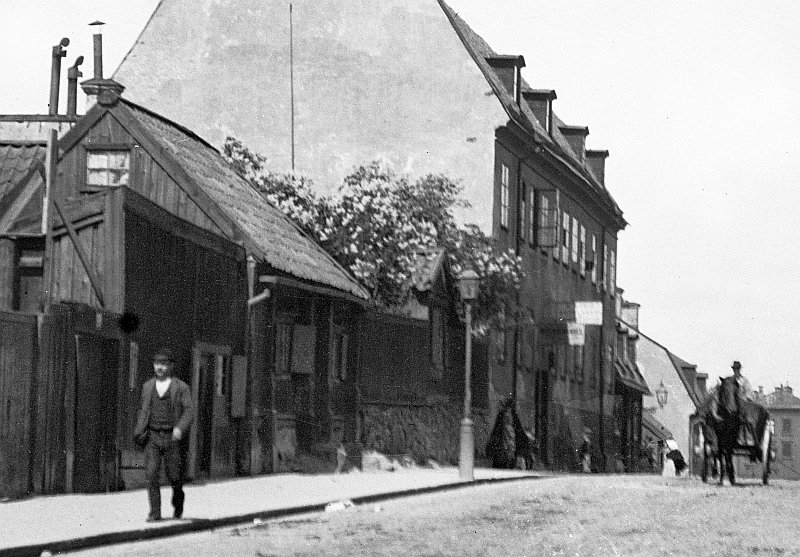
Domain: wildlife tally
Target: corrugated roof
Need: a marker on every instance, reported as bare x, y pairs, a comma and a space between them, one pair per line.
522, 113
282, 243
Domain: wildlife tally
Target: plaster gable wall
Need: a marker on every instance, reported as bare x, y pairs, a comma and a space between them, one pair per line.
656, 366
373, 79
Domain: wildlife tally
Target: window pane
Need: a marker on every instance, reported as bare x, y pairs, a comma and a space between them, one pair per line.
107, 168
97, 159
97, 177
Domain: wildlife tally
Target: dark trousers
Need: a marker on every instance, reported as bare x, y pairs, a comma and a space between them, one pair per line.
162, 448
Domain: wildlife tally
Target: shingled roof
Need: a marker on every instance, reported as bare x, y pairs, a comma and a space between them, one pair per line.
270, 233
521, 113
16, 161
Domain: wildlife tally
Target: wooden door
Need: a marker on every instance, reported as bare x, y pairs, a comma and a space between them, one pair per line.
95, 468
211, 442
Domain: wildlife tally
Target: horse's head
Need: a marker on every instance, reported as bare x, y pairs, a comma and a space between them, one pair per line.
729, 395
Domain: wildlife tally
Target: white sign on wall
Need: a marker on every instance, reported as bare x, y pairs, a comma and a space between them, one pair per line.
589, 313
576, 334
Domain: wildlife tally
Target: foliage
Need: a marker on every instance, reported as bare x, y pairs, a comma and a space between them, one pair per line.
377, 222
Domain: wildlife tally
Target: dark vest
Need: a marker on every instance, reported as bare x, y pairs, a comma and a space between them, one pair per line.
161, 415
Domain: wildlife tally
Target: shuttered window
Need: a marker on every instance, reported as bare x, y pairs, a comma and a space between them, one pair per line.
565, 239
574, 244
594, 259
582, 251
504, 194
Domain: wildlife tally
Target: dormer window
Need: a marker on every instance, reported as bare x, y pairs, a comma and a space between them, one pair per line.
107, 168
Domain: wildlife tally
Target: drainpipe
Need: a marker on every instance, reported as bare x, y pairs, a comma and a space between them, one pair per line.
252, 300
55, 74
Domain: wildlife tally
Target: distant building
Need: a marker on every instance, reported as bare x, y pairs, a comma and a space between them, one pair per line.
784, 409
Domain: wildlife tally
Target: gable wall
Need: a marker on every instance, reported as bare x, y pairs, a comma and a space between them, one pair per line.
148, 177
388, 80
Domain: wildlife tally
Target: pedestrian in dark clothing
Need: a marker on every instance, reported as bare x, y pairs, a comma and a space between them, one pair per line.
163, 421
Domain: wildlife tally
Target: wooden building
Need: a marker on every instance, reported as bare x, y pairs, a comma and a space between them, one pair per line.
411, 370
154, 240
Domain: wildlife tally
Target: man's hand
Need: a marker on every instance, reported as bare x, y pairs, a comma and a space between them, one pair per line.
176, 433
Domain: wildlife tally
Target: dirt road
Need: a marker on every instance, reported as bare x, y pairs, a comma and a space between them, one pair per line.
569, 515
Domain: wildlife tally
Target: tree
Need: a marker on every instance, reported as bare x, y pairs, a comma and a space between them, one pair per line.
377, 222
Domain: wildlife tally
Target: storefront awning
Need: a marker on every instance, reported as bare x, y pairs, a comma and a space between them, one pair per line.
628, 375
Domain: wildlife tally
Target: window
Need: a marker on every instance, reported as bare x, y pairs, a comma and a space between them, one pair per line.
582, 251
787, 449
107, 168
575, 246
531, 215
594, 259
565, 239
786, 428
504, 196
547, 225
605, 267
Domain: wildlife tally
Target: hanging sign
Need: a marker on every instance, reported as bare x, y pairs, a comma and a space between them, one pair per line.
589, 313
576, 334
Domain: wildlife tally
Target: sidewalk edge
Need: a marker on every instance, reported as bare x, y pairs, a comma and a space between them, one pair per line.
113, 538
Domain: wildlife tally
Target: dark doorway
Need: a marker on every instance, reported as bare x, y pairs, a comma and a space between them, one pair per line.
96, 460
542, 404
205, 414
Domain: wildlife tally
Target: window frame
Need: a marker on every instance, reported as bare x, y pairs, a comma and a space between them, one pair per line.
89, 150
504, 196
565, 236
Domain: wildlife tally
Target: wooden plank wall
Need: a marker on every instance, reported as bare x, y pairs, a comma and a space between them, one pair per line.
18, 340
49, 466
148, 178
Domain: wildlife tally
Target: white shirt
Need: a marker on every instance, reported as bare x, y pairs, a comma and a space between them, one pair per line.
162, 385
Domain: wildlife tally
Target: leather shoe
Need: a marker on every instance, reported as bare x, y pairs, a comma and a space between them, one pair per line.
153, 518
178, 513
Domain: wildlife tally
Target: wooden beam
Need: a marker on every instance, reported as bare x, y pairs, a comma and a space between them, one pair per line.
93, 279
51, 158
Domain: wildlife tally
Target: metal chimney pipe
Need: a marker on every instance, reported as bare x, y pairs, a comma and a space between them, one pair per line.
73, 73
55, 74
98, 50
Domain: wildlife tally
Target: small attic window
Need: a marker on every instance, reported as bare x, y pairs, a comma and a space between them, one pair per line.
107, 168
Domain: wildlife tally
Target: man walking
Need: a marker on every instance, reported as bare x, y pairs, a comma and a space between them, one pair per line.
164, 417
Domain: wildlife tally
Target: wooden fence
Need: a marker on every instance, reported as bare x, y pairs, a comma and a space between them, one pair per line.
18, 358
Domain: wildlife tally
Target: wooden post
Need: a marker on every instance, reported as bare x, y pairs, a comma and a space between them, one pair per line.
51, 158
8, 256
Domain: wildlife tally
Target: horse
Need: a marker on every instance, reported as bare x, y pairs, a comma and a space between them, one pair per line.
731, 426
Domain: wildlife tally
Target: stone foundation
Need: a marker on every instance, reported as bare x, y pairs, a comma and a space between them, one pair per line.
424, 432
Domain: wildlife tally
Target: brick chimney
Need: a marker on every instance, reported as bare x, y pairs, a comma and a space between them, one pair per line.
98, 89
540, 102
508, 68
576, 137
597, 162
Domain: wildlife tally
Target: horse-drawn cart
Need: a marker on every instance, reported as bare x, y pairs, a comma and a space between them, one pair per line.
734, 426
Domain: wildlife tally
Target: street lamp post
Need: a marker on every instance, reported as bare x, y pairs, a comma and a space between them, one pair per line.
468, 283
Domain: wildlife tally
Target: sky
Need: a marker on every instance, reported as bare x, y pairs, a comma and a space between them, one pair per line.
698, 104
